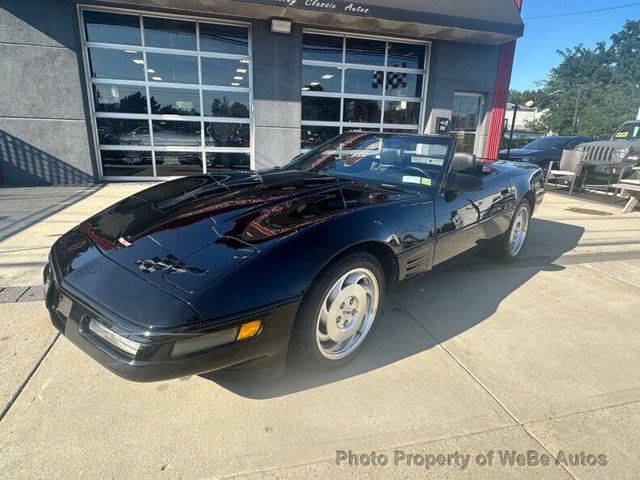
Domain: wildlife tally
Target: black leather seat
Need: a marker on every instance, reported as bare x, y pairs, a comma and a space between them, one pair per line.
464, 163
391, 157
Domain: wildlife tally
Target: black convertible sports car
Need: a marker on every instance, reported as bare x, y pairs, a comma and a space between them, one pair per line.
243, 268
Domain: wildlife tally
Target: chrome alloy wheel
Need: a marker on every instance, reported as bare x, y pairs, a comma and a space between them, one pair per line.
347, 313
518, 231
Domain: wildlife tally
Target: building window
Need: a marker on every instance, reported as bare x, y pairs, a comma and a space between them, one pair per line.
351, 83
171, 97
466, 117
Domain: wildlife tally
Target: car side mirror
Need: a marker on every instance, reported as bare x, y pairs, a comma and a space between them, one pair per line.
463, 182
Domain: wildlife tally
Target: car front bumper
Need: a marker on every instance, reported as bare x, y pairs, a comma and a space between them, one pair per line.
71, 311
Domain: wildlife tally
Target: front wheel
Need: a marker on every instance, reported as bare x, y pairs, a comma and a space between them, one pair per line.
512, 242
338, 313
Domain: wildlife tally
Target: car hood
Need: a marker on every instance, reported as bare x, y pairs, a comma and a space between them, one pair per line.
186, 233
522, 152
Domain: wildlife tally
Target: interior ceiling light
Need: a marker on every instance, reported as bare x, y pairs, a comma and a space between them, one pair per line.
235, 84
241, 70
244, 60
157, 79
305, 88
327, 76
139, 61
150, 70
238, 77
314, 84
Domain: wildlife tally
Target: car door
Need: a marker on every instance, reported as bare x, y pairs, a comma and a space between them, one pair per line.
465, 220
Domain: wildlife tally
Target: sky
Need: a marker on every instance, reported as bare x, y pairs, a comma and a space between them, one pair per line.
536, 52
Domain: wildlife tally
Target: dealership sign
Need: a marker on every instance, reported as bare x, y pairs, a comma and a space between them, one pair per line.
324, 5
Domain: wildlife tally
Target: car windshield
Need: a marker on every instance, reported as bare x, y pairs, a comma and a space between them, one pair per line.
628, 131
394, 159
548, 143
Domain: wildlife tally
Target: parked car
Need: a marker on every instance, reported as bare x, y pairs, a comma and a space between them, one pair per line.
543, 150
244, 268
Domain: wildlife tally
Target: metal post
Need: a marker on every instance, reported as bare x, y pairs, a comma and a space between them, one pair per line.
513, 124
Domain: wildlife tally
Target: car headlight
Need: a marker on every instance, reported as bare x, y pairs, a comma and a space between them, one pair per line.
621, 152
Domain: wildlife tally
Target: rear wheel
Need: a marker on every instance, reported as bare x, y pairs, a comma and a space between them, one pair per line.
512, 242
338, 313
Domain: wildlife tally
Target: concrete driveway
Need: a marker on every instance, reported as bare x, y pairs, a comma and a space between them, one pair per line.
539, 356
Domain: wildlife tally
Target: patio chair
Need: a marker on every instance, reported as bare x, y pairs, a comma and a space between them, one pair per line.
571, 164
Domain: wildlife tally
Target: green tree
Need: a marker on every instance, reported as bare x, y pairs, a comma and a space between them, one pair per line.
594, 90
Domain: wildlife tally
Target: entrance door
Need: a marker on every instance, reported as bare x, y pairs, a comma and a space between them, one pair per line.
467, 112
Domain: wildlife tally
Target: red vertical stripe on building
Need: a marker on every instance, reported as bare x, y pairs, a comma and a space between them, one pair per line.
500, 96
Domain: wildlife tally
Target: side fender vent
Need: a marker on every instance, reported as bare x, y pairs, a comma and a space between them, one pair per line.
416, 261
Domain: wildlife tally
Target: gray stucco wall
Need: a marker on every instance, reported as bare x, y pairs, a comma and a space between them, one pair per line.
461, 67
44, 133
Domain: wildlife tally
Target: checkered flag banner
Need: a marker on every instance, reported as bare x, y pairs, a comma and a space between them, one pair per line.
395, 80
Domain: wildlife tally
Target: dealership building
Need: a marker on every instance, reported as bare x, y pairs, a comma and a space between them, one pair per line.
152, 89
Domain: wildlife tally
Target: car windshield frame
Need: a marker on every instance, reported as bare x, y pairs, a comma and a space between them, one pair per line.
632, 128
311, 160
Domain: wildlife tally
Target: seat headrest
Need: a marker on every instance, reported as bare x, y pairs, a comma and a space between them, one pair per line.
463, 163
391, 156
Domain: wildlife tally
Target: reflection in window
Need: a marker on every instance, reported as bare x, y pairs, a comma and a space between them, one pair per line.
116, 64
225, 104
226, 134
368, 82
174, 164
224, 39
169, 33
107, 27
363, 50
358, 99
314, 136
172, 68
174, 133
119, 163
174, 101
324, 48
118, 131
400, 84
223, 72
321, 108
407, 113
119, 98
226, 160
363, 111
467, 110
406, 55
321, 79
168, 122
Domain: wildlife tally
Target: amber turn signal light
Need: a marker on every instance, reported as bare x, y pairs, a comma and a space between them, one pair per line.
249, 329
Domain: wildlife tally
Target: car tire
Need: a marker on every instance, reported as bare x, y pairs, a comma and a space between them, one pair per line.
323, 327
512, 242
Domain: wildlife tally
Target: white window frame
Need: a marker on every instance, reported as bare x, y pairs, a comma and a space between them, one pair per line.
343, 66
146, 84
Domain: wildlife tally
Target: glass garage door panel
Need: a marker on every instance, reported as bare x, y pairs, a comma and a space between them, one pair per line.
111, 97
369, 84
171, 96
